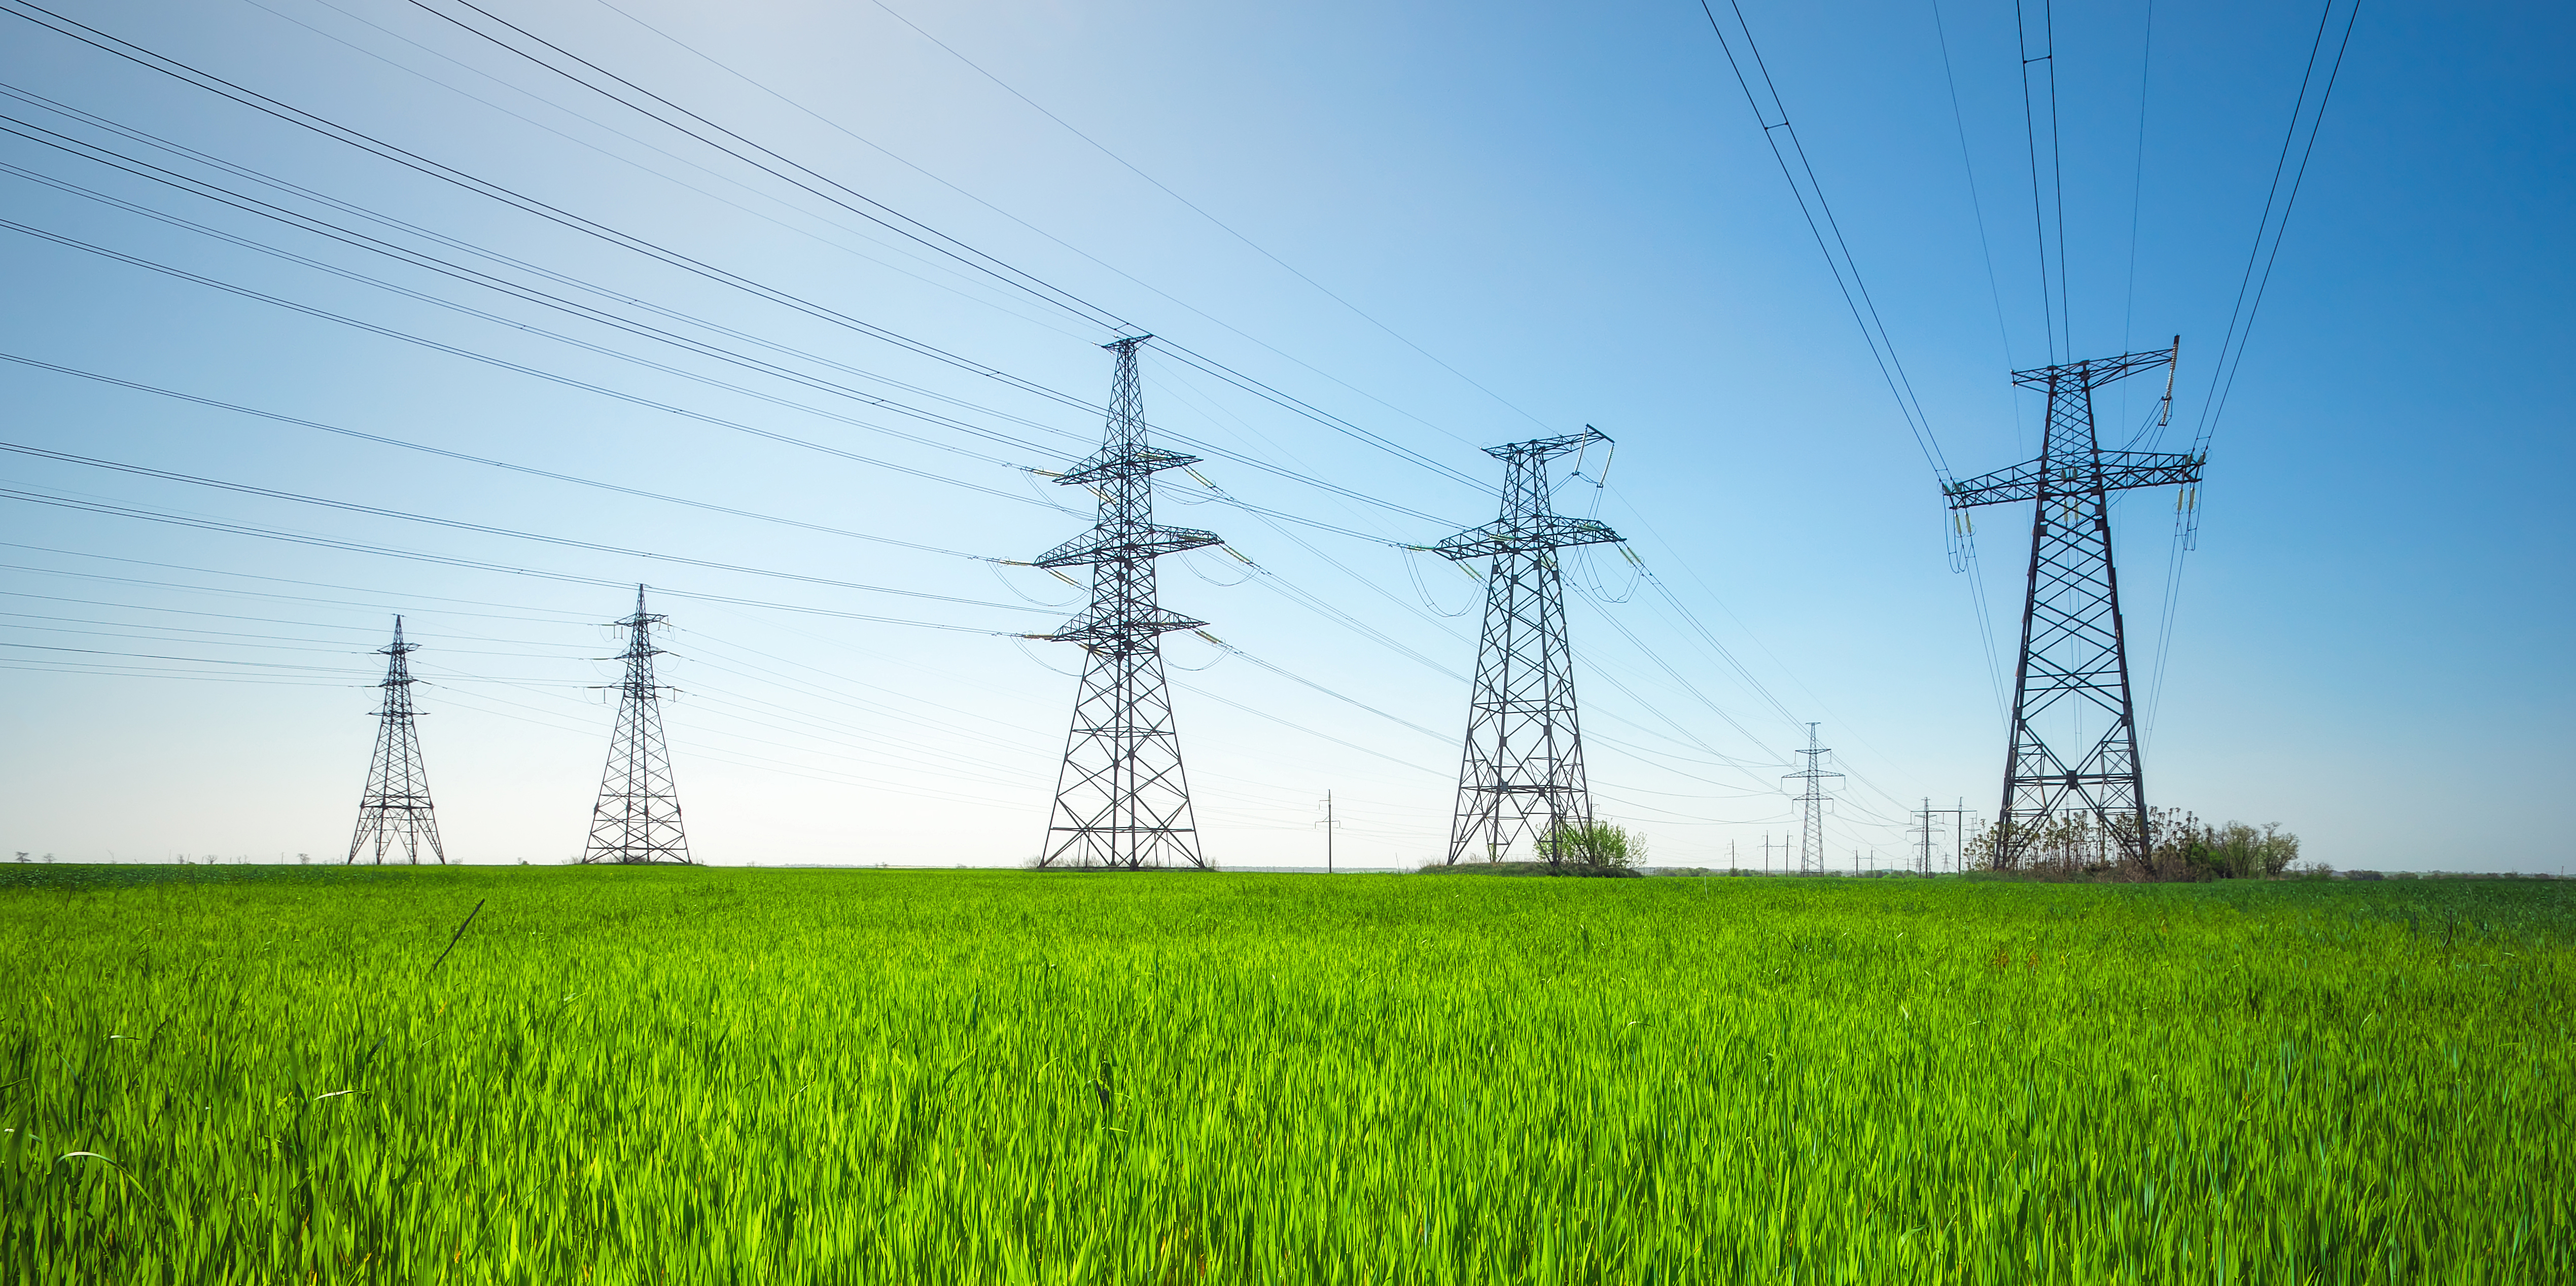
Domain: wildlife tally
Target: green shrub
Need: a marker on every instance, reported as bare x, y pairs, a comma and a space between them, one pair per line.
1593, 844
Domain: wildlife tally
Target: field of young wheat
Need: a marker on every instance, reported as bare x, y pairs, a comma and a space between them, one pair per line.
687, 1075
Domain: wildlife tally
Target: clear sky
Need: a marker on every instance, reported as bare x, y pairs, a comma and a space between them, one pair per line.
1447, 225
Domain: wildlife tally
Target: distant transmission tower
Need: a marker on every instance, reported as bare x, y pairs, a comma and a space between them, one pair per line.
1923, 844
2073, 677
1121, 798
1522, 773
638, 817
1811, 806
396, 808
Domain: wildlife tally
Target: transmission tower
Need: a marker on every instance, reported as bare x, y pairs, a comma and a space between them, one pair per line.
1121, 799
1811, 805
2073, 676
1923, 842
638, 817
1522, 773
396, 807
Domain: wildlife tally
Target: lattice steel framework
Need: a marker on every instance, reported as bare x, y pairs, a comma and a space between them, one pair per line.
1811, 804
638, 817
2074, 666
1521, 774
1121, 798
395, 808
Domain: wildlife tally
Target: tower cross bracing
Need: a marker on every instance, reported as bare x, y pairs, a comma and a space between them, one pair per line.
2074, 737
1521, 773
1122, 796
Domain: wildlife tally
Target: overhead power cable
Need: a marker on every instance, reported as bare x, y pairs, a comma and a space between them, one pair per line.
667, 113
324, 542
567, 542
897, 222
1194, 208
2268, 231
516, 290
259, 665
954, 282
1773, 116
223, 638
503, 363
583, 312
410, 600
1976, 200
2060, 320
586, 312
529, 470
327, 128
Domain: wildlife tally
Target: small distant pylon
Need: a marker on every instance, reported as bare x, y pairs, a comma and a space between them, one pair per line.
1522, 772
396, 807
1121, 798
638, 817
1811, 805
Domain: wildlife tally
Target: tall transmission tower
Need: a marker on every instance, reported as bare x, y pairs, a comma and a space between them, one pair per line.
395, 808
2074, 746
1522, 772
638, 817
1811, 805
1121, 798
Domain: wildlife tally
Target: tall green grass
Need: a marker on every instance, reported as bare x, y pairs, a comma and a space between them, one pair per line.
707, 1075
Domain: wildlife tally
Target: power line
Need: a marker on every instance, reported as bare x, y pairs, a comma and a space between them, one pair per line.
1827, 232
506, 364
586, 312
868, 208
1976, 202
1194, 208
996, 301
2059, 323
476, 277
339, 133
2231, 355
529, 470
461, 525
245, 529
914, 229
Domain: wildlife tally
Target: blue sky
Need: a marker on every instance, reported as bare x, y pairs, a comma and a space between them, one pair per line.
1448, 225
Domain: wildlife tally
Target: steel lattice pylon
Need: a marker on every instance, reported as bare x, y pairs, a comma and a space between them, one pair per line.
1121, 798
1521, 774
638, 816
1811, 804
396, 807
2074, 667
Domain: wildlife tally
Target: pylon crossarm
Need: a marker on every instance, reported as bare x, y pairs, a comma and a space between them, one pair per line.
1111, 546
1124, 462
1547, 448
1524, 535
2120, 471
2093, 373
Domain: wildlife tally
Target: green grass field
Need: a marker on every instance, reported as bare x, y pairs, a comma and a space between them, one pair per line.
647, 1075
